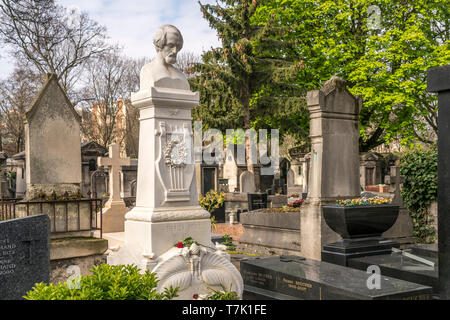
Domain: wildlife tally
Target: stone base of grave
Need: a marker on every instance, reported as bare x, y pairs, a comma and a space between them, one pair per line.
113, 216
340, 252
152, 232
69, 254
314, 232
40, 191
268, 232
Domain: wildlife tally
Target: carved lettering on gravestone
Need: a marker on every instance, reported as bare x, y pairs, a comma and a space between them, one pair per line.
7, 253
24, 255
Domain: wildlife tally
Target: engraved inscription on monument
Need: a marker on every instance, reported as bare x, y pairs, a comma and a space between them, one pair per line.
24, 255
7, 255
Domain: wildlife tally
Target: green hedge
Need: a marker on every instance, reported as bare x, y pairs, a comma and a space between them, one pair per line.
419, 166
106, 283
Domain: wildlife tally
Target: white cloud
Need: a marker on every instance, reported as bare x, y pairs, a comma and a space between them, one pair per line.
132, 23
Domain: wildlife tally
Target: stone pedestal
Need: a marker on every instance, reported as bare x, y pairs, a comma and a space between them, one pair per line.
167, 209
113, 216
334, 162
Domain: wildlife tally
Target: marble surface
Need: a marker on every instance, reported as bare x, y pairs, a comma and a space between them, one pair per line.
314, 280
401, 267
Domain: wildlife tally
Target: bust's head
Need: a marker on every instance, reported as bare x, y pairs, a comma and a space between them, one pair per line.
168, 42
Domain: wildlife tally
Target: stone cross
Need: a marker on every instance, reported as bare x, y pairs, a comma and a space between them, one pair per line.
439, 81
114, 162
30, 241
395, 181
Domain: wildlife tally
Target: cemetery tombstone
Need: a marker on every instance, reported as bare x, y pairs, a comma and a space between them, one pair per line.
167, 209
439, 82
403, 229
334, 163
257, 201
247, 182
115, 209
24, 255
52, 143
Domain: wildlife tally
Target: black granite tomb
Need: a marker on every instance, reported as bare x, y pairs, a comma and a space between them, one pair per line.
402, 267
292, 277
24, 255
257, 201
439, 81
340, 252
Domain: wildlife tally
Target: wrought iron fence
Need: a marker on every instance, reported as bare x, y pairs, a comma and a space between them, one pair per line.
58, 211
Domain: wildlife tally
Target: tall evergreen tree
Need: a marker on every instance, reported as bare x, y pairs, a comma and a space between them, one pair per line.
248, 82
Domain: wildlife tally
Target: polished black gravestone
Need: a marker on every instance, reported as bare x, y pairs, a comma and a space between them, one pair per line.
24, 255
257, 201
292, 277
342, 251
439, 81
403, 267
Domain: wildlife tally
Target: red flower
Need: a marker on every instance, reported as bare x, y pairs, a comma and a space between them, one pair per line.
180, 245
195, 296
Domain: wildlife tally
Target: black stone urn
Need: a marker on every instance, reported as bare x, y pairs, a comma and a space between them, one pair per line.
360, 221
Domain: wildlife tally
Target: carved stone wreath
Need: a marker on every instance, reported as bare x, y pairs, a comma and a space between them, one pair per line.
175, 155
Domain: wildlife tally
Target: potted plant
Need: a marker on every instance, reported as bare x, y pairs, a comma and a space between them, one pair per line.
213, 202
361, 217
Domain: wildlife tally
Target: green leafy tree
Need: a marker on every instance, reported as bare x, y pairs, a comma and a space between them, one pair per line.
249, 82
382, 52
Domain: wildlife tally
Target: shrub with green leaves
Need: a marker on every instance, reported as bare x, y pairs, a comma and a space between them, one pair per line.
419, 166
212, 200
122, 282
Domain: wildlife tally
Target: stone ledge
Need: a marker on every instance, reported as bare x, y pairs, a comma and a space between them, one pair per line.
67, 248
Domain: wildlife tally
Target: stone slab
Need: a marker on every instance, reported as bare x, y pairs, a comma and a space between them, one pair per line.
400, 267
308, 279
340, 252
272, 230
425, 250
67, 248
24, 255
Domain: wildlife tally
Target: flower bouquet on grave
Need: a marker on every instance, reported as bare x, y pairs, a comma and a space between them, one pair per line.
296, 203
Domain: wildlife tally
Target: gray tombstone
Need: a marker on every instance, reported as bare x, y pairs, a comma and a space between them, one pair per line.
247, 182
24, 255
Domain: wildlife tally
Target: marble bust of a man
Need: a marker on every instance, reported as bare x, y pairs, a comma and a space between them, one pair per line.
160, 72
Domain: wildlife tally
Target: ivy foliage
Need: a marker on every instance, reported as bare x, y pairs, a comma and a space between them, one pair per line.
419, 166
122, 282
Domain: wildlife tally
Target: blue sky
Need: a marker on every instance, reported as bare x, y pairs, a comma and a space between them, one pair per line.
132, 23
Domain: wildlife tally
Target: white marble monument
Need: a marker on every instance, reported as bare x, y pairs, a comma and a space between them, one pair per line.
167, 210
